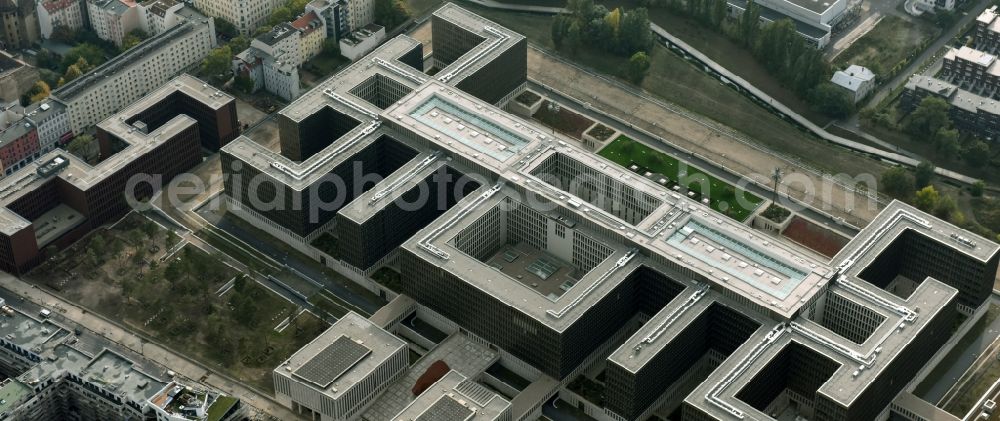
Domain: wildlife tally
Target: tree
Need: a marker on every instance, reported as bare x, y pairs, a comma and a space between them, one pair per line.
634, 34
749, 25
90, 53
240, 43
923, 174
225, 28
946, 141
637, 66
831, 100
927, 199
246, 312
560, 26
897, 182
63, 34
72, 72
133, 38
39, 91
977, 188
390, 13
945, 207
218, 61
331, 47
929, 117
173, 272
244, 83
977, 154
82, 146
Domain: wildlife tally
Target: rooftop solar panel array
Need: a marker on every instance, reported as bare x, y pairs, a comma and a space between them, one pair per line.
446, 409
333, 361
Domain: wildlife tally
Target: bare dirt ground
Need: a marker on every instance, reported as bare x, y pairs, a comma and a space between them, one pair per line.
693, 136
732, 154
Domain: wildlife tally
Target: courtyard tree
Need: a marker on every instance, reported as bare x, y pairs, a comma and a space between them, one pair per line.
217, 62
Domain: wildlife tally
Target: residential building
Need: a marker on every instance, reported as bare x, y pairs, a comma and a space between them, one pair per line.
62, 198
112, 20
987, 37
159, 15
55, 372
18, 24
53, 13
245, 15
341, 371
18, 145
858, 81
311, 33
131, 75
273, 58
361, 42
682, 309
16, 77
973, 70
52, 122
972, 114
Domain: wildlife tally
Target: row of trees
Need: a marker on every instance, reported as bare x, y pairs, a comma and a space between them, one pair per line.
619, 31
390, 13
930, 122
798, 65
915, 187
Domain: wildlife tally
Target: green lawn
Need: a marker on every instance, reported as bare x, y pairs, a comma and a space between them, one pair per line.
722, 196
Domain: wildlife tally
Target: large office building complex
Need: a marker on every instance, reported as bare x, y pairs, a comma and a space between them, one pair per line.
131, 75
61, 198
559, 259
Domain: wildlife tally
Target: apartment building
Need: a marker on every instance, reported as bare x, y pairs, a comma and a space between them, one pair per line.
273, 58
54, 372
53, 13
112, 20
988, 30
971, 113
16, 77
18, 23
245, 15
129, 76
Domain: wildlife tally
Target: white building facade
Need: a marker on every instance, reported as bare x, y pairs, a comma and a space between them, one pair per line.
127, 77
55, 13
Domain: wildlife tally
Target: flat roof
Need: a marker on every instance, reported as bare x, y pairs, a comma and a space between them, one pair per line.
82, 175
78, 86
12, 394
455, 397
815, 6
858, 365
315, 356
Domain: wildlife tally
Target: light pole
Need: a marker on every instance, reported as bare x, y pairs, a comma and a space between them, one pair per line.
776, 176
